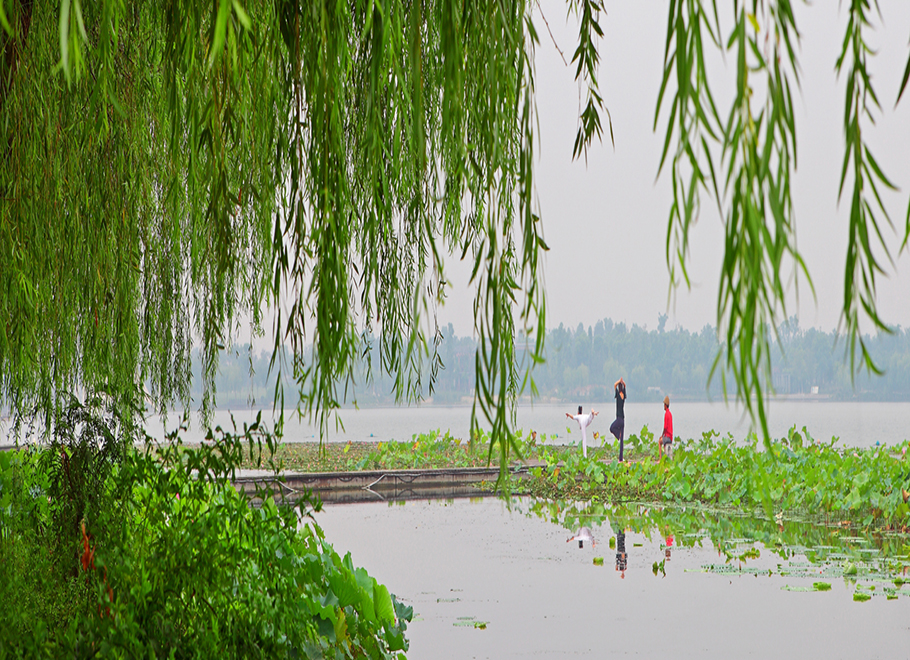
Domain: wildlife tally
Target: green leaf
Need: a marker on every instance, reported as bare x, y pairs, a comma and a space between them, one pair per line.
383, 603
221, 19
242, 16
345, 588
64, 37
5, 22
754, 22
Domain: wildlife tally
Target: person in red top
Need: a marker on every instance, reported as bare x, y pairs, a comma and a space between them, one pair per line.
666, 438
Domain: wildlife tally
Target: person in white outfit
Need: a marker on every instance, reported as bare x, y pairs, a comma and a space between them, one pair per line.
584, 421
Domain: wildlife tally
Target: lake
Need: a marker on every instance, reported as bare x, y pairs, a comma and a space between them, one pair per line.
463, 564
856, 424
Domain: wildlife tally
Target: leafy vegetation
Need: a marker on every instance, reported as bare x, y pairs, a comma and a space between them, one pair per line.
744, 164
794, 475
174, 169
172, 560
424, 451
170, 169
797, 476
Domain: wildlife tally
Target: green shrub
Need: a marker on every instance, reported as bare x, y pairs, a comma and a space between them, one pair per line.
174, 562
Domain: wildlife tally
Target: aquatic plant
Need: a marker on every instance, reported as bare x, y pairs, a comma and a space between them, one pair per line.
431, 450
798, 551
793, 475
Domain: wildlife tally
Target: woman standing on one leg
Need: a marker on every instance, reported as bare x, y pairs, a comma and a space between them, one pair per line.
618, 426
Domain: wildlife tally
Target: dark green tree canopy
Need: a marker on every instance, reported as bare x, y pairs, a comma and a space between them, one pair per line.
171, 168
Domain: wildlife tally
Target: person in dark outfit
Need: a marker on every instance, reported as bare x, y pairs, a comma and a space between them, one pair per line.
617, 428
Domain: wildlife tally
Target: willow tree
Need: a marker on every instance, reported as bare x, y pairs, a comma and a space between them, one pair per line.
744, 162
171, 169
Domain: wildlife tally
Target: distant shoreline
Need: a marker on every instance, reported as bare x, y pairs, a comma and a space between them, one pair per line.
467, 402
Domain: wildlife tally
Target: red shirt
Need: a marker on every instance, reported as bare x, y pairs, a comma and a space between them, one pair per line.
668, 424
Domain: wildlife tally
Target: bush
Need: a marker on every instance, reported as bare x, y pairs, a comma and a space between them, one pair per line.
173, 561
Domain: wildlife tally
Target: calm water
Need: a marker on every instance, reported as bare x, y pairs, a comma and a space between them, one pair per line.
463, 561
856, 424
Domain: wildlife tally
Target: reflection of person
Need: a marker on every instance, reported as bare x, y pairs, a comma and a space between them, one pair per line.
583, 534
622, 559
619, 424
584, 421
666, 437
668, 546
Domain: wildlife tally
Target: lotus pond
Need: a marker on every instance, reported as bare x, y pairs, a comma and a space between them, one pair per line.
495, 579
793, 475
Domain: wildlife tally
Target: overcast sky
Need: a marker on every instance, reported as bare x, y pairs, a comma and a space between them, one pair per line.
606, 221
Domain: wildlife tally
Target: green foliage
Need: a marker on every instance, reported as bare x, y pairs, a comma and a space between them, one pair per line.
795, 475
432, 450
427, 451
758, 150
750, 178
862, 264
183, 564
587, 57
173, 168
87, 443
659, 566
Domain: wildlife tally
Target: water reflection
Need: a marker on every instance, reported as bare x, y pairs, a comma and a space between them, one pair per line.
878, 562
622, 559
583, 534
462, 564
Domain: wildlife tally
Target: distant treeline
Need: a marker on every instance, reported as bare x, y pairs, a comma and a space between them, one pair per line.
582, 365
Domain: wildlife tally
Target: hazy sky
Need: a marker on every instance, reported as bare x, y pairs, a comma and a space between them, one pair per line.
606, 222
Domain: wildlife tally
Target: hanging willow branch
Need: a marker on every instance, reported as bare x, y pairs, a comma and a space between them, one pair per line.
173, 167
862, 266
757, 147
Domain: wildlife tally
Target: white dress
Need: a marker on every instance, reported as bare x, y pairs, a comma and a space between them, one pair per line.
584, 421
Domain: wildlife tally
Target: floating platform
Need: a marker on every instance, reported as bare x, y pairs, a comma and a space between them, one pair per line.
379, 485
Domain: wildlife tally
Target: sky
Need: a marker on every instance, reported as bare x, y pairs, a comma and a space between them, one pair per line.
606, 220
